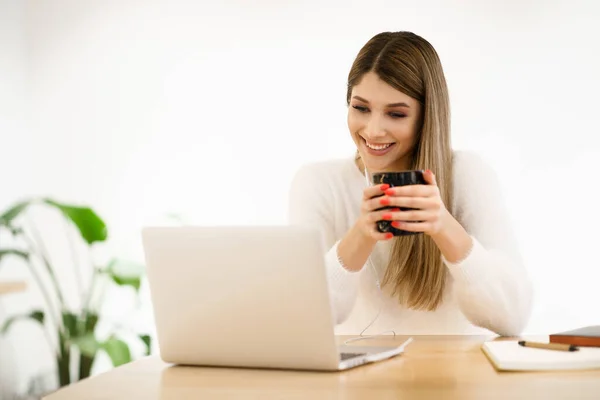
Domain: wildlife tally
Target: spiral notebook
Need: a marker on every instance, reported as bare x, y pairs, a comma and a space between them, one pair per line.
509, 356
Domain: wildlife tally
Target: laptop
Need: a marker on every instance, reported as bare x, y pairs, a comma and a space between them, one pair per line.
246, 296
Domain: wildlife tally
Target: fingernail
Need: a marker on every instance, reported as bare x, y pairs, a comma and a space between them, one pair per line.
385, 187
389, 192
389, 235
386, 216
385, 201
396, 224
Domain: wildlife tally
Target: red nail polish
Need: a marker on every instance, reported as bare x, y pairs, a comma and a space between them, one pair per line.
389, 235
385, 201
385, 187
389, 192
386, 216
395, 210
396, 224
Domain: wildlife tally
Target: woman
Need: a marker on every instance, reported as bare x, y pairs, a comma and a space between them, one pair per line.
462, 272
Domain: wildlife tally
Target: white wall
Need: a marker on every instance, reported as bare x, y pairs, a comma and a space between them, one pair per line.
144, 108
18, 179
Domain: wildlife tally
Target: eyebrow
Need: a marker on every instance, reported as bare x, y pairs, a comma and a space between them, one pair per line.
389, 105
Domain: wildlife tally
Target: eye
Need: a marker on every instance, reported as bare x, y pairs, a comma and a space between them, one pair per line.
397, 115
361, 108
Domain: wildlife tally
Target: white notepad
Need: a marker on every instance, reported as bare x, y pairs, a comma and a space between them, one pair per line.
509, 356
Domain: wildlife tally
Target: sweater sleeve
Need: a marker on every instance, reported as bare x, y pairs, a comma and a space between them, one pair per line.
492, 285
311, 202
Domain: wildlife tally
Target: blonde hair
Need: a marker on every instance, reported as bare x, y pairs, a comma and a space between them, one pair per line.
415, 274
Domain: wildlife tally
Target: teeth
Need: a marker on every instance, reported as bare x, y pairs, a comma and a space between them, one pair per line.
378, 146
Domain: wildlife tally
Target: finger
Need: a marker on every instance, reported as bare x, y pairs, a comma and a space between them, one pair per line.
430, 177
412, 215
375, 190
382, 236
375, 234
413, 226
376, 203
423, 203
412, 191
382, 215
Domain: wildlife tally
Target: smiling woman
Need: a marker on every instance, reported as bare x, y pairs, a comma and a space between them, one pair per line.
462, 272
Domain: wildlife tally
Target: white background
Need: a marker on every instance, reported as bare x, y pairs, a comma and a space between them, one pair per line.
206, 109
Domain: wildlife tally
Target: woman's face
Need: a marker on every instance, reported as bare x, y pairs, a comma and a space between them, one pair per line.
383, 123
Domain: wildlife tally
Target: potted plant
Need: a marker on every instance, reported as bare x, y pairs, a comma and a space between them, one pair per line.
70, 332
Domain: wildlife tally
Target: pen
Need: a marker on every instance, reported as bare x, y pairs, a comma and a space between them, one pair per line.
549, 346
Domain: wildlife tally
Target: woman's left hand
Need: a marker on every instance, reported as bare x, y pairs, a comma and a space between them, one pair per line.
430, 215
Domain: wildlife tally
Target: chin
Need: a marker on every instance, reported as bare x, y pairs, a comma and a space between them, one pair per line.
377, 164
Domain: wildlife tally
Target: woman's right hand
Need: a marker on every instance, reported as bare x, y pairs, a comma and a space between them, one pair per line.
370, 212
358, 243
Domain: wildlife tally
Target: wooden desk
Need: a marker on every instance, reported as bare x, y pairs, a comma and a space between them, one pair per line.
11, 287
442, 367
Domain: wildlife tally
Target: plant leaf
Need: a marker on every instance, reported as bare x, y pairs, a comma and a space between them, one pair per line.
14, 252
63, 360
117, 350
125, 273
91, 227
125, 267
70, 321
90, 321
132, 281
147, 341
85, 366
36, 315
13, 212
87, 344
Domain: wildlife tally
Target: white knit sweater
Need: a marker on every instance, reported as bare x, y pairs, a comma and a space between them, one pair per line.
487, 291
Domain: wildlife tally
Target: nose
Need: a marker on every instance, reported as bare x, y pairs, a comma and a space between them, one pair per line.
375, 128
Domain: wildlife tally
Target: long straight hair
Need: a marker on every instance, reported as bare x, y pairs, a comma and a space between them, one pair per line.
415, 274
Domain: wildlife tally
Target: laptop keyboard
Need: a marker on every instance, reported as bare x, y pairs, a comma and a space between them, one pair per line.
345, 356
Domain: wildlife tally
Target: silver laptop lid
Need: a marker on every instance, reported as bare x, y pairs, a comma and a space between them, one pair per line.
241, 296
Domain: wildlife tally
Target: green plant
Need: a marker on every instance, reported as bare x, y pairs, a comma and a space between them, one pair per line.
67, 329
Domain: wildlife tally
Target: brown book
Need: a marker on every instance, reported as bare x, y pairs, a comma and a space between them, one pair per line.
585, 336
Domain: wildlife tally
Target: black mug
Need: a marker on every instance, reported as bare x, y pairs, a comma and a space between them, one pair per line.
402, 178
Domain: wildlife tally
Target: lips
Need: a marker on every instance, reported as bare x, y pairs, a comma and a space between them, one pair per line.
378, 149
374, 146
